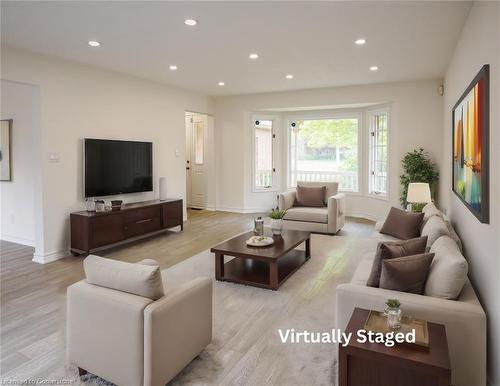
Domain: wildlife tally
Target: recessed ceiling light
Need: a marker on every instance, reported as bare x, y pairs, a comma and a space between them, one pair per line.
94, 43
173, 67
253, 56
190, 22
221, 84
373, 68
360, 42
289, 76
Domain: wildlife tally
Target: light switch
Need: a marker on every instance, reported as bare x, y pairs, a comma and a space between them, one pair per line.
176, 152
54, 157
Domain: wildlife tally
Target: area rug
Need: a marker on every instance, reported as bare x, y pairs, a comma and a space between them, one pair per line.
246, 348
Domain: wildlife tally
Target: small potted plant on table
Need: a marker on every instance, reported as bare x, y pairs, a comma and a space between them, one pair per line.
393, 312
276, 216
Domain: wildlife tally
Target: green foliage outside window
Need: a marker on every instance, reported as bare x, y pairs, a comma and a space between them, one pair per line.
331, 139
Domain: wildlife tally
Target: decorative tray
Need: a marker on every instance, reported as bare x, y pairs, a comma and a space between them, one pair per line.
259, 241
377, 322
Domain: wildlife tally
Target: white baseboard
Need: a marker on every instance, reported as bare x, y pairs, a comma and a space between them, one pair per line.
229, 209
362, 215
243, 210
17, 240
49, 257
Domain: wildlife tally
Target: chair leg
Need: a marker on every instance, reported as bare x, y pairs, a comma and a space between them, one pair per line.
81, 371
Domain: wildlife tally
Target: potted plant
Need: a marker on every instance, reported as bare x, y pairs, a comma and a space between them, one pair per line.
276, 216
417, 167
393, 312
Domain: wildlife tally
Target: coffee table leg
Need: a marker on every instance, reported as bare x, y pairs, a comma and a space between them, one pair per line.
219, 266
308, 248
273, 275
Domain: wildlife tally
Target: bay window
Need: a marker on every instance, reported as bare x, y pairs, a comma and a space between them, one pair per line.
378, 154
263, 158
325, 150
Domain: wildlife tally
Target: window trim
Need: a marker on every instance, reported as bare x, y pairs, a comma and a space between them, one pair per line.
327, 115
195, 139
371, 115
276, 121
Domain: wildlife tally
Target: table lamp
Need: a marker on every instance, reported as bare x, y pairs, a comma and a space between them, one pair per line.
418, 193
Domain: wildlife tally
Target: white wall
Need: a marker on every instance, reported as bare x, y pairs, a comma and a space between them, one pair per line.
416, 119
78, 101
19, 102
478, 45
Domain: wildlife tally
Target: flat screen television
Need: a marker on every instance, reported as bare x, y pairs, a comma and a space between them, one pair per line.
117, 167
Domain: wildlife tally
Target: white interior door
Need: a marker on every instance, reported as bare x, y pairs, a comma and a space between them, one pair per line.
196, 167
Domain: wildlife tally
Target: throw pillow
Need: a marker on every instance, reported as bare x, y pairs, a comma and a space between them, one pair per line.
434, 228
310, 196
406, 274
391, 250
401, 224
138, 279
448, 273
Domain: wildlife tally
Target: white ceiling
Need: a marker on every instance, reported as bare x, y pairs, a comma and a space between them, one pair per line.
312, 40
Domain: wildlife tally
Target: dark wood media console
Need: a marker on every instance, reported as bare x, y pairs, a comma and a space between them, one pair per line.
91, 230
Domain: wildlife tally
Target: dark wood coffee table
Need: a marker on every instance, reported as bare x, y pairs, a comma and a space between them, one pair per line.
374, 364
265, 267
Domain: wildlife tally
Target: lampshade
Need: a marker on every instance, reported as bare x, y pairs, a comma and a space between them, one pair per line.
419, 192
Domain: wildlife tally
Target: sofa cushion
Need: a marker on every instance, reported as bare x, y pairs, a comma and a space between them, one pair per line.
391, 250
362, 271
401, 224
448, 272
138, 279
309, 214
454, 235
430, 210
406, 274
312, 196
331, 188
434, 228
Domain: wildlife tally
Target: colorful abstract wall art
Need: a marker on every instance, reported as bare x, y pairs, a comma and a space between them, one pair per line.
470, 118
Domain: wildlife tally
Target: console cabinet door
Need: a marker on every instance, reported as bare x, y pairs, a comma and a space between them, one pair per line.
172, 214
105, 230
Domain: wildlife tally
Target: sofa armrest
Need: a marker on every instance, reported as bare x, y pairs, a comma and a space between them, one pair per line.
177, 328
336, 212
432, 309
105, 333
286, 200
465, 323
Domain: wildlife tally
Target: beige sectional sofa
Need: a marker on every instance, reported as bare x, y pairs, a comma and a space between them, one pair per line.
327, 219
463, 317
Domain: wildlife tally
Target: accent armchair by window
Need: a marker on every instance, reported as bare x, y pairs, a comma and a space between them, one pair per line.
327, 219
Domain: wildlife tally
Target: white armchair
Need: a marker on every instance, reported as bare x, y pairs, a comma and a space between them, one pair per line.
134, 340
327, 219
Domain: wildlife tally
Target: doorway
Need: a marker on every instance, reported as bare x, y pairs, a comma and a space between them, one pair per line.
197, 160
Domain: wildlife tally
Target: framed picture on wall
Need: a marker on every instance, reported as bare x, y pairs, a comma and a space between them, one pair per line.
470, 121
5, 150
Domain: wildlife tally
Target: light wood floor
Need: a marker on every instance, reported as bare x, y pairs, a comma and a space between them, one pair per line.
33, 295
